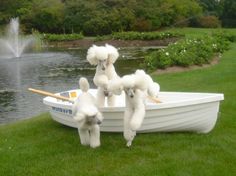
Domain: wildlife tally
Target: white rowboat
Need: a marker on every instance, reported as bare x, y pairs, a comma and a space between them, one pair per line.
195, 112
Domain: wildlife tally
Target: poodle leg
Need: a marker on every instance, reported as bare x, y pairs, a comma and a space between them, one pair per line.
131, 134
100, 97
137, 117
84, 136
128, 133
95, 136
111, 100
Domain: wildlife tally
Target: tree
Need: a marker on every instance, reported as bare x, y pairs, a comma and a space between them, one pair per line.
228, 15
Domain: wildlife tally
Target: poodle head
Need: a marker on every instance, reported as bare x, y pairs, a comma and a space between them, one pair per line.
97, 55
89, 115
112, 54
115, 86
128, 82
132, 83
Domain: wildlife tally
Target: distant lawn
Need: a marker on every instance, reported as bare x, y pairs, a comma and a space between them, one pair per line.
196, 32
40, 146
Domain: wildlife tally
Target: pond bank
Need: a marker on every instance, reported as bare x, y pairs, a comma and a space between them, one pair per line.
87, 42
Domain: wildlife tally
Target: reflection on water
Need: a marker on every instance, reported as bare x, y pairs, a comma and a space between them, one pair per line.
53, 71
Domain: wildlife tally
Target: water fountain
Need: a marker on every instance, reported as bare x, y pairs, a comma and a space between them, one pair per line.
14, 44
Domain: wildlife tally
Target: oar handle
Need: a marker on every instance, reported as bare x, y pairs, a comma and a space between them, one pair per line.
41, 92
154, 99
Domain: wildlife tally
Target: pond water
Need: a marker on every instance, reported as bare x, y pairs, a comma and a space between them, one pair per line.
52, 70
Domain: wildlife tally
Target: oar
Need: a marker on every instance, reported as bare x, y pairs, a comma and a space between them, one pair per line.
154, 99
41, 92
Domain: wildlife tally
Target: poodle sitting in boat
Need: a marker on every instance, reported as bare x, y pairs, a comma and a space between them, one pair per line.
135, 87
103, 57
87, 115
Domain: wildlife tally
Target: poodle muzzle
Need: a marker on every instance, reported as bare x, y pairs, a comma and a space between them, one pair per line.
102, 64
130, 92
107, 93
91, 120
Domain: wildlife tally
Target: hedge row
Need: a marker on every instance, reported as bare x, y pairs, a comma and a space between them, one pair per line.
62, 37
144, 35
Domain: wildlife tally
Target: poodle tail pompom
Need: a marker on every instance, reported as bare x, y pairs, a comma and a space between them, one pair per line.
140, 72
91, 55
83, 84
112, 52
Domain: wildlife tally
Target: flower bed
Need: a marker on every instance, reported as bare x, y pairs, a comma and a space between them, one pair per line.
195, 51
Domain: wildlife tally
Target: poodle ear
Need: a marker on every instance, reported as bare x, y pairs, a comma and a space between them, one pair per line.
112, 53
91, 55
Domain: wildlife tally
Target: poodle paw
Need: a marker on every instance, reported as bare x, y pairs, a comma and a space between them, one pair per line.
84, 143
129, 143
94, 144
129, 136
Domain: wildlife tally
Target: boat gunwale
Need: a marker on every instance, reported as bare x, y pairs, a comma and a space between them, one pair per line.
209, 97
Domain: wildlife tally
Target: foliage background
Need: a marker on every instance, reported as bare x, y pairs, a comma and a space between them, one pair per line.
93, 17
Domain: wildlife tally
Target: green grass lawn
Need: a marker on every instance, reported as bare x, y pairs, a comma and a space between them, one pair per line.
40, 146
196, 32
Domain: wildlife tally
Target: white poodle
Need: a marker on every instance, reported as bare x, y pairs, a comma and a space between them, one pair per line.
135, 87
153, 87
104, 57
86, 113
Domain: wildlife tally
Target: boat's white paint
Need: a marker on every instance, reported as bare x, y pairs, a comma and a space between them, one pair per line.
178, 111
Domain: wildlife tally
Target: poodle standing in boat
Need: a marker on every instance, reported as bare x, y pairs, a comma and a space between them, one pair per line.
135, 87
104, 57
87, 115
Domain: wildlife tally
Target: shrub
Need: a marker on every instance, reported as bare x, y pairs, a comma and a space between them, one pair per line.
142, 25
209, 22
196, 51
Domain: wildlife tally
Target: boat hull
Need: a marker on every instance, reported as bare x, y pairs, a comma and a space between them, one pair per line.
198, 113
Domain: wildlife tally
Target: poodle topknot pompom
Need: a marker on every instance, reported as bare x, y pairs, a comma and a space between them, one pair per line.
128, 81
134, 81
96, 53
